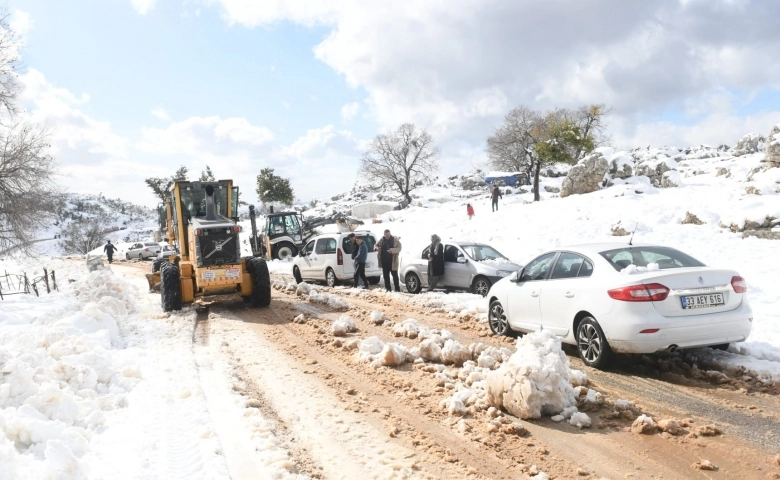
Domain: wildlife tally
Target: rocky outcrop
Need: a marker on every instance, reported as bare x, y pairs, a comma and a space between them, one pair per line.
586, 176
720, 171
670, 179
550, 189
772, 148
751, 190
655, 170
691, 219
621, 165
750, 143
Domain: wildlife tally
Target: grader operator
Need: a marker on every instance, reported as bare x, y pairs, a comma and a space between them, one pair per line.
201, 222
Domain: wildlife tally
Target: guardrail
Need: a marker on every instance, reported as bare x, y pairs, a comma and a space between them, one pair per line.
17, 284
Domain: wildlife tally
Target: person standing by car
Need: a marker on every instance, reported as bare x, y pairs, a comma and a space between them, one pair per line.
435, 262
351, 238
360, 262
109, 249
469, 210
389, 247
495, 195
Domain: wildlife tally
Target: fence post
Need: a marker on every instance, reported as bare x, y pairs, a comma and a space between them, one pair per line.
54, 281
27, 285
46, 279
1, 290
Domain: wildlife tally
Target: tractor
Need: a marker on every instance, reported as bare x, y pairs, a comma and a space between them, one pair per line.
201, 221
285, 233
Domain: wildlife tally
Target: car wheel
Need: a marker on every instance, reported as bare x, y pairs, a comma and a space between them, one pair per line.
156, 265
497, 321
374, 280
127, 256
722, 346
297, 275
592, 345
412, 282
284, 251
330, 278
481, 286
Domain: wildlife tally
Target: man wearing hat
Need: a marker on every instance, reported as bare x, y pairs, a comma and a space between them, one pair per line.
360, 262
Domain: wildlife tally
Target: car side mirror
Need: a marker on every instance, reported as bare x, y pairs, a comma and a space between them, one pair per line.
462, 260
516, 276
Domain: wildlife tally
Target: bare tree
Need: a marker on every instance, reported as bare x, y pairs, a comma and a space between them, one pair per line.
83, 235
28, 193
402, 159
591, 121
529, 140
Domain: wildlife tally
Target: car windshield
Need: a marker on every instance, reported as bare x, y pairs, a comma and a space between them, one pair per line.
484, 253
663, 257
152, 244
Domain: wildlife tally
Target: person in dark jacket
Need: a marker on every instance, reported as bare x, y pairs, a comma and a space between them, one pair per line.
355, 249
388, 249
360, 262
496, 194
435, 262
109, 249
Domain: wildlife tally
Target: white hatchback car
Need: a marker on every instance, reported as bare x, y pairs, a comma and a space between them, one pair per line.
328, 257
607, 298
143, 250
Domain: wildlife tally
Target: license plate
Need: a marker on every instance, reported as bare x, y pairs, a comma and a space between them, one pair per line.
702, 301
221, 273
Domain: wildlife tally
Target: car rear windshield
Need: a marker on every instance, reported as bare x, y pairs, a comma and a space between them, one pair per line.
664, 257
346, 244
152, 244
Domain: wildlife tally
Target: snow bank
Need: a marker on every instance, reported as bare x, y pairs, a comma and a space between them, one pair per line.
58, 377
535, 381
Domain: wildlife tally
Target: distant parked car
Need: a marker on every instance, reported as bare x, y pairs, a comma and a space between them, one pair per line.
328, 257
166, 251
143, 250
617, 298
467, 266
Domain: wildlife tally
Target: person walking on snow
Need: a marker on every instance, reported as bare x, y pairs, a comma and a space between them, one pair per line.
109, 249
360, 262
496, 194
435, 262
389, 247
469, 210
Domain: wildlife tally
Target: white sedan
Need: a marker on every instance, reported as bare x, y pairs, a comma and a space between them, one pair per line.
621, 298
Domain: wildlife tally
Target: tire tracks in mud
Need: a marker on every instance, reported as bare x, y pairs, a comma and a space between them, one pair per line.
749, 418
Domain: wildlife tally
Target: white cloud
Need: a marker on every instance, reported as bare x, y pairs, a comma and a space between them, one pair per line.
349, 110
161, 114
143, 6
21, 23
456, 71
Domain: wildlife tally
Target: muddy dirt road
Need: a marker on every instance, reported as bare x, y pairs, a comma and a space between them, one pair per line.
339, 417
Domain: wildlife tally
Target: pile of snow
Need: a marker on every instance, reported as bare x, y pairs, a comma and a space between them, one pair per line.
344, 325
310, 293
381, 354
535, 381
58, 376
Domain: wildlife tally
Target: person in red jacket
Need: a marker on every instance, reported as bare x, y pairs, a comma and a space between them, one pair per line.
469, 210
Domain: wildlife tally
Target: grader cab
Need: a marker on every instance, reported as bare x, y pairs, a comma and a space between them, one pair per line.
202, 224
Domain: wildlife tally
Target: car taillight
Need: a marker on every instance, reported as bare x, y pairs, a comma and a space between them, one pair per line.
198, 232
146, 249
739, 284
640, 293
236, 229
339, 257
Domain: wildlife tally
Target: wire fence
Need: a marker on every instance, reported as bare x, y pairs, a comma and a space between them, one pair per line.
21, 284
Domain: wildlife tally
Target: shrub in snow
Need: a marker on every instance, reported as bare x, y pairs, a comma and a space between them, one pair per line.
535, 380
344, 325
430, 350
453, 353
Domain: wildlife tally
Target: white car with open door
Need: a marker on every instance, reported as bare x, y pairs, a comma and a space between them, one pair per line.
467, 266
620, 298
328, 258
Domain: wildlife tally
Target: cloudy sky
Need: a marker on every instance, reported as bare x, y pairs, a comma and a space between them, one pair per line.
134, 88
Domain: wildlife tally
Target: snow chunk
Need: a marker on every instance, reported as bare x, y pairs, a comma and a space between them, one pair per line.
344, 325
643, 424
579, 420
392, 355
454, 353
430, 350
536, 380
377, 317
408, 328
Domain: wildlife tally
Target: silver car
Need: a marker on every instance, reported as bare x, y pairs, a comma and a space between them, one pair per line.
467, 266
143, 250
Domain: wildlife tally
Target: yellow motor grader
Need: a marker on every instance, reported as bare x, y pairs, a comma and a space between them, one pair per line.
202, 224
